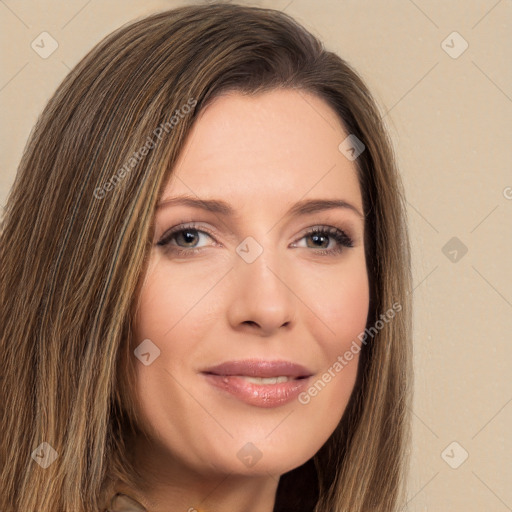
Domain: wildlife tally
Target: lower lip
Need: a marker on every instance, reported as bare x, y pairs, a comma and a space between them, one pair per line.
259, 395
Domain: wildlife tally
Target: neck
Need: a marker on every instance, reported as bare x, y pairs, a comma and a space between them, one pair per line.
169, 486
228, 493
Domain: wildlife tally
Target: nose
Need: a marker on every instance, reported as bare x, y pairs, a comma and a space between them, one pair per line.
262, 301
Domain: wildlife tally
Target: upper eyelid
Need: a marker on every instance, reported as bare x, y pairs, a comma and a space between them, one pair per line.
352, 225
187, 225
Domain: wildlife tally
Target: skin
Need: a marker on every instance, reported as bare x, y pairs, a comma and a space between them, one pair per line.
261, 154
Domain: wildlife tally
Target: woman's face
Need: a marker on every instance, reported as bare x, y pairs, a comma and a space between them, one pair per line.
244, 283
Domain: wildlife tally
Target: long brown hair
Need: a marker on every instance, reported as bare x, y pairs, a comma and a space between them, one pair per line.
76, 234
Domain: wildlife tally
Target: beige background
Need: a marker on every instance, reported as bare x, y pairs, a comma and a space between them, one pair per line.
450, 121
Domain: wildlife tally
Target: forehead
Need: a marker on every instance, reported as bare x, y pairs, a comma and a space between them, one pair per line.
277, 146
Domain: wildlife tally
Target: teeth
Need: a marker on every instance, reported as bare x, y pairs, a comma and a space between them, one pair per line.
266, 380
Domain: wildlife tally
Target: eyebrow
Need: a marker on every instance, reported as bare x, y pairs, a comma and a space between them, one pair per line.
304, 207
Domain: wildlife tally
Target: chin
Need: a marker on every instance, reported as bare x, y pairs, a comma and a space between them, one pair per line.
261, 457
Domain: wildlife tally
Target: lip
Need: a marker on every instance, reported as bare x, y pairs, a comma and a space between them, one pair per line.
229, 378
259, 368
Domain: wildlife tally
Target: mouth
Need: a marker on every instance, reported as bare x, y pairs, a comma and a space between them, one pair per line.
267, 380
259, 383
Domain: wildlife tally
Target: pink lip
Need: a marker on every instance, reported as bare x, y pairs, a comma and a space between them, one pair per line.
259, 368
229, 378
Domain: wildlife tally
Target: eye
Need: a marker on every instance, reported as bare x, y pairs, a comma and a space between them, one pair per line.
320, 236
186, 238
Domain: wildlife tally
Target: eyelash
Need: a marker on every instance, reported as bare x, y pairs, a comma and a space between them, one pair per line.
342, 239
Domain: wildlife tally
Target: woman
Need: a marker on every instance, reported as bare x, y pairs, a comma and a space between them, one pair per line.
215, 309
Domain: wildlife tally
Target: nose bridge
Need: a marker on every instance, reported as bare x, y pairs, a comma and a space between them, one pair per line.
262, 258
262, 295
263, 272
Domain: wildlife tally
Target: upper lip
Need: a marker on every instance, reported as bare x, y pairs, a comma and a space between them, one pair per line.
259, 368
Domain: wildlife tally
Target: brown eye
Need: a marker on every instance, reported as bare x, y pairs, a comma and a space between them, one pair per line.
183, 239
188, 236
321, 236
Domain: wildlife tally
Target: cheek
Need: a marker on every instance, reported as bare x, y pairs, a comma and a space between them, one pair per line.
163, 304
343, 305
